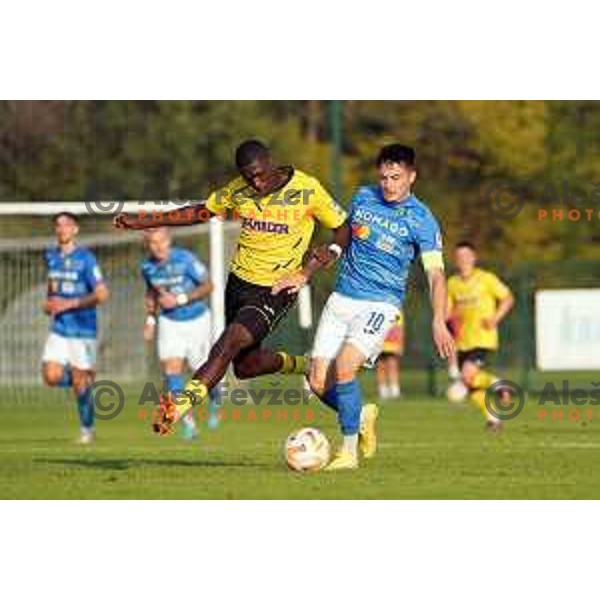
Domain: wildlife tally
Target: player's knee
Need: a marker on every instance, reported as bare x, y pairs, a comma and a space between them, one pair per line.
234, 340
52, 374
244, 368
345, 371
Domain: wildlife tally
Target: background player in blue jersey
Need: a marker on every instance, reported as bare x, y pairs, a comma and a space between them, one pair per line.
75, 288
177, 286
391, 228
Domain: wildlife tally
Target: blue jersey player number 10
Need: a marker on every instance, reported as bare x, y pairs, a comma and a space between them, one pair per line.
390, 229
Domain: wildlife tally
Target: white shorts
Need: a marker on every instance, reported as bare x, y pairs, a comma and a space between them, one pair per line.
187, 340
362, 323
79, 353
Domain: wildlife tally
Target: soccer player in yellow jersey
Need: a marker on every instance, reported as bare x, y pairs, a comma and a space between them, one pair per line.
278, 207
477, 303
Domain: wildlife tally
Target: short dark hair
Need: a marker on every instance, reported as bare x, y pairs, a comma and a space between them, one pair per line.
249, 151
65, 213
465, 244
397, 153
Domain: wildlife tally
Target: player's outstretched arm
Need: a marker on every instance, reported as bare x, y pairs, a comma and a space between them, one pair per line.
319, 258
442, 338
181, 217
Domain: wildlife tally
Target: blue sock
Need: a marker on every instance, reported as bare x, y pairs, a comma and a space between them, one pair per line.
349, 401
66, 380
85, 406
175, 383
214, 398
330, 398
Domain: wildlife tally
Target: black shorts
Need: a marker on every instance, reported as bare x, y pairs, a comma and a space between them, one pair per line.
479, 356
254, 307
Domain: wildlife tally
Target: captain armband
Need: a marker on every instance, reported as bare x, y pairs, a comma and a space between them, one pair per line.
432, 260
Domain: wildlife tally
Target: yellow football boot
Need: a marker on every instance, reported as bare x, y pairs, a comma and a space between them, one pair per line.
343, 461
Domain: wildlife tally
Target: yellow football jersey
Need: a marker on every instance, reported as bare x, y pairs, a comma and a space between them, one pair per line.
276, 228
472, 300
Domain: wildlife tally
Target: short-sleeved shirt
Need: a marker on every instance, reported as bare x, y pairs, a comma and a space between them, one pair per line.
73, 275
180, 273
387, 238
276, 228
470, 301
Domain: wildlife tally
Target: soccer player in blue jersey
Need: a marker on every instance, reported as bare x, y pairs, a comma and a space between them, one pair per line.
177, 286
391, 228
75, 288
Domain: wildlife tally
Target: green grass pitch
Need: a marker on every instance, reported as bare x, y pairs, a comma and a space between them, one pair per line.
427, 450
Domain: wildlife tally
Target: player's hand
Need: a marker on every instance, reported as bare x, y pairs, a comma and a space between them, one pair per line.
291, 283
322, 254
56, 305
443, 340
167, 300
122, 221
489, 323
149, 331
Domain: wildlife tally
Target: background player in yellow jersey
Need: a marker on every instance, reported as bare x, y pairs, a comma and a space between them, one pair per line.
477, 303
278, 207
388, 363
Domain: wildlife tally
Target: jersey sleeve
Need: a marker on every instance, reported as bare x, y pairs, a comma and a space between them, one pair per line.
497, 288
93, 274
325, 209
196, 269
428, 239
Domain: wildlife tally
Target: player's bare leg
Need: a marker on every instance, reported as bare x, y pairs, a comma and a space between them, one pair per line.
56, 375
387, 373
255, 362
233, 344
321, 377
232, 341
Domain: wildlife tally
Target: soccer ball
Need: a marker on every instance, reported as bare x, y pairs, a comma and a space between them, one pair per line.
457, 392
307, 450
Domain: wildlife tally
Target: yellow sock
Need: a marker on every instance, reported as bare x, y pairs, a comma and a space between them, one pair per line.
478, 399
198, 393
293, 364
483, 380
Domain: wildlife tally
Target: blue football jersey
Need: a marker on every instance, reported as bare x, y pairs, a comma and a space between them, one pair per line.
179, 274
387, 237
73, 275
